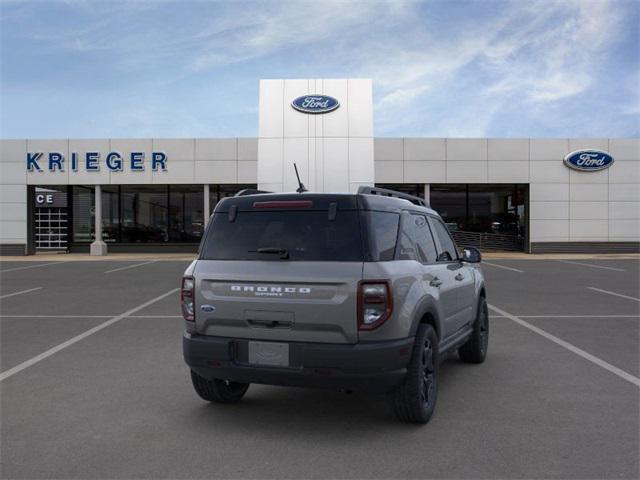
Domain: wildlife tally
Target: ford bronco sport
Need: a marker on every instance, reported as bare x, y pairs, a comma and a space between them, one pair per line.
361, 291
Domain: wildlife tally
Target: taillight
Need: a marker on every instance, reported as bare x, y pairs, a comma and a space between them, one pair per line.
186, 298
375, 303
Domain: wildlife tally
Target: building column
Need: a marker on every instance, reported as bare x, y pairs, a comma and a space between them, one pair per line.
427, 193
98, 247
206, 211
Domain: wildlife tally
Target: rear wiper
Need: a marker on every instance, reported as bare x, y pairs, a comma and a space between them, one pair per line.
283, 252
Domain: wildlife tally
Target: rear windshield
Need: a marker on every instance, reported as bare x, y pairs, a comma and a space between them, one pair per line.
284, 235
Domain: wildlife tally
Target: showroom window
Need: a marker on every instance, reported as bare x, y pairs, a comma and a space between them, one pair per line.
145, 213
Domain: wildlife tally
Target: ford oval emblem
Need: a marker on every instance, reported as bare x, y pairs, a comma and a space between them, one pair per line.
208, 308
315, 104
588, 160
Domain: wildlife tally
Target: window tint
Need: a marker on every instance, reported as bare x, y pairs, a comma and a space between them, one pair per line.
446, 242
305, 235
425, 239
415, 240
383, 232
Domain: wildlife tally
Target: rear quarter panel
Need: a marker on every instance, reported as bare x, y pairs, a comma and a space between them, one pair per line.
408, 296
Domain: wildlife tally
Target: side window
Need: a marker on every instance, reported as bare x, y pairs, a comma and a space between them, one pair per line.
447, 244
384, 231
415, 241
425, 239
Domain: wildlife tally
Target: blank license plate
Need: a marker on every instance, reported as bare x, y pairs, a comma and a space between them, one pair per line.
269, 353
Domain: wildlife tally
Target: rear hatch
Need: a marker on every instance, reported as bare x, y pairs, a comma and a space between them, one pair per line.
281, 268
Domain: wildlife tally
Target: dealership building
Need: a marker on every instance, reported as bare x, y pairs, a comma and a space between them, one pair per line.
156, 194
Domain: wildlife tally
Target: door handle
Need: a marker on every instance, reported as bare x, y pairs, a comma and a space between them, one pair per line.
459, 277
435, 282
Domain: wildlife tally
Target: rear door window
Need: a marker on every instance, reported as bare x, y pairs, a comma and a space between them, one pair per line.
448, 250
304, 235
415, 242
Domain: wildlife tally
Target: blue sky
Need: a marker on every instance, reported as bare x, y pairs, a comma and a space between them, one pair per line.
92, 69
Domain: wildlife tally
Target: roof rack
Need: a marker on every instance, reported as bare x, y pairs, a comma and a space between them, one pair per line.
392, 193
250, 191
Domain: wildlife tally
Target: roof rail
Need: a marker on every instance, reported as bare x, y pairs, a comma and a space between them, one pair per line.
392, 193
250, 191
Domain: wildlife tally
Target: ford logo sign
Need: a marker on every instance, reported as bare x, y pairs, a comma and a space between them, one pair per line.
588, 160
315, 104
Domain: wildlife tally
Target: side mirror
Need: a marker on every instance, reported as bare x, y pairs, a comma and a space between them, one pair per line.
471, 255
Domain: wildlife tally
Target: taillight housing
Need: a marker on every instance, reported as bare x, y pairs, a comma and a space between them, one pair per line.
375, 303
186, 298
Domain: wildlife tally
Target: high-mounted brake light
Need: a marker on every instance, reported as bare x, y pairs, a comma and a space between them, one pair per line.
375, 303
186, 298
284, 204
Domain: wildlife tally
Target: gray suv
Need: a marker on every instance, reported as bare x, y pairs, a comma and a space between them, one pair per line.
361, 291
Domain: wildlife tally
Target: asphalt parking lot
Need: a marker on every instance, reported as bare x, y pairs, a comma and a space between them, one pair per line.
93, 386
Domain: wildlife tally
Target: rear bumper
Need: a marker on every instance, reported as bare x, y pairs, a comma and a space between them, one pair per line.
371, 367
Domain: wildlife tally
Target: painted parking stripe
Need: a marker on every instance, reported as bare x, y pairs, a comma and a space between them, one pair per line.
602, 267
613, 293
130, 266
578, 316
33, 266
20, 292
87, 316
77, 338
502, 266
57, 316
572, 348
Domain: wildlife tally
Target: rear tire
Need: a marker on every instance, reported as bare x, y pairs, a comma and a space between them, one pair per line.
475, 349
414, 401
218, 391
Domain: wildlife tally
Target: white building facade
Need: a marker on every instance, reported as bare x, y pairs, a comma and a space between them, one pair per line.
156, 194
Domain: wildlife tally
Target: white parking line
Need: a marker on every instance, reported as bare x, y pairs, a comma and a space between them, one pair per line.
77, 338
592, 266
20, 292
33, 266
131, 266
613, 293
572, 348
578, 316
88, 316
57, 316
502, 266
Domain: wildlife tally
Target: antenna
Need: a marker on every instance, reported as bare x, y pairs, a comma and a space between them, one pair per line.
301, 188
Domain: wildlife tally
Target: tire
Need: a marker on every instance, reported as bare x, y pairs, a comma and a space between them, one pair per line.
218, 391
475, 349
414, 401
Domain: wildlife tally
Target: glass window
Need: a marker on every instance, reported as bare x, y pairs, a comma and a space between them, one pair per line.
144, 213
426, 245
383, 233
83, 213
450, 201
447, 245
494, 213
415, 240
110, 214
186, 215
304, 236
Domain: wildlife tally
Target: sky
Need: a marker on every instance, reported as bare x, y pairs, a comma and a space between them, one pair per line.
93, 69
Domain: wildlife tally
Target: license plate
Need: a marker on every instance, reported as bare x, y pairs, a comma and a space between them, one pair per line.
269, 353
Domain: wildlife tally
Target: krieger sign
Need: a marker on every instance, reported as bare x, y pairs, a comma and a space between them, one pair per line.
91, 161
